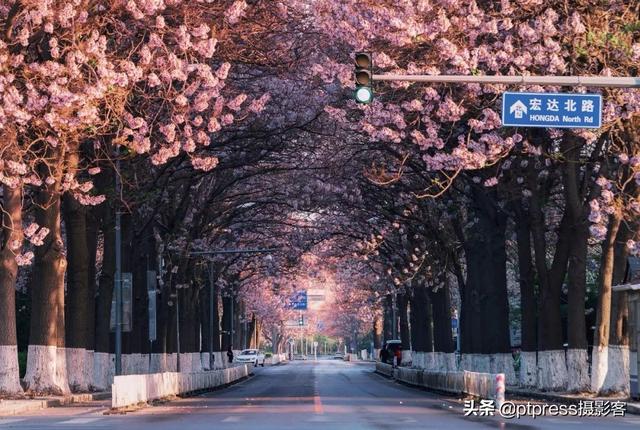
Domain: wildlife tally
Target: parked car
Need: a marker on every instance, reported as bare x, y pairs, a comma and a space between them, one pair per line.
251, 356
299, 357
338, 356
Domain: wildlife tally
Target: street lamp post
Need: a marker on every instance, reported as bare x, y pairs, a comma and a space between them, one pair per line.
394, 327
118, 274
211, 358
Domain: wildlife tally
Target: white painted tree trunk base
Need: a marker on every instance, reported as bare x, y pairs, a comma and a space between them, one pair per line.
46, 370
476, 362
9, 371
104, 367
578, 371
61, 367
204, 359
449, 362
444, 362
80, 369
528, 369
617, 378
196, 362
376, 354
172, 362
158, 363
503, 363
465, 362
552, 370
599, 365
186, 364
141, 363
429, 361
406, 357
219, 358
417, 360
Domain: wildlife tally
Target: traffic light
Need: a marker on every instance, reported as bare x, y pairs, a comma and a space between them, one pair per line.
301, 320
363, 75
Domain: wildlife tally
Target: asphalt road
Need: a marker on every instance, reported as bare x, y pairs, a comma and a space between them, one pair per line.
322, 394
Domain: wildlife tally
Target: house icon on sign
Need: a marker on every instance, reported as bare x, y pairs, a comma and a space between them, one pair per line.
518, 109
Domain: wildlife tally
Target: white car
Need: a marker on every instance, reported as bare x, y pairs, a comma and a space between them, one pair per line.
251, 356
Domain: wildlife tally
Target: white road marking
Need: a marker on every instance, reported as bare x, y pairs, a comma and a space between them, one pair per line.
10, 421
562, 421
319, 419
231, 420
80, 420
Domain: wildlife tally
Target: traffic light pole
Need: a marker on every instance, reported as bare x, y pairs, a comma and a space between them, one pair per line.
568, 81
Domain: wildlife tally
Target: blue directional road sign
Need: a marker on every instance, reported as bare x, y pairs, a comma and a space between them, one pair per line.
299, 301
552, 110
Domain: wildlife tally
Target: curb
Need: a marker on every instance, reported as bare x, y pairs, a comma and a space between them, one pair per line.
16, 407
196, 393
567, 399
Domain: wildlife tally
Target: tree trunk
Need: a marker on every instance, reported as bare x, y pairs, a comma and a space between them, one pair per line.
80, 298
388, 318
599, 361
46, 363
577, 360
485, 311
12, 238
552, 367
617, 379
528, 305
227, 318
405, 336
377, 336
421, 332
442, 335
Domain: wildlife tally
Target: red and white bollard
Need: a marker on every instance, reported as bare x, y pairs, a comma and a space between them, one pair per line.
499, 390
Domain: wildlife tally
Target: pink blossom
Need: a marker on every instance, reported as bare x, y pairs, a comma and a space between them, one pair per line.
598, 231
491, 182
31, 229
236, 103
37, 239
258, 105
204, 163
24, 259
236, 11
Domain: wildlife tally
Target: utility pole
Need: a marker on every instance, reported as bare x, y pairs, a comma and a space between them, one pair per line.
211, 363
178, 328
394, 328
118, 274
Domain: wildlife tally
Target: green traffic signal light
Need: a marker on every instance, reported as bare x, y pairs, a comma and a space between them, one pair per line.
363, 75
364, 95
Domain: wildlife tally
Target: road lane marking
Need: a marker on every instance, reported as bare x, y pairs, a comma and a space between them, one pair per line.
10, 421
319, 419
80, 420
231, 420
317, 405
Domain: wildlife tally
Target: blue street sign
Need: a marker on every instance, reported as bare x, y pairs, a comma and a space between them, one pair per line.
552, 110
299, 301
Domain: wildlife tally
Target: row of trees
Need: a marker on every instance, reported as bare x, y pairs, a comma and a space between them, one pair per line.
229, 125
190, 109
500, 221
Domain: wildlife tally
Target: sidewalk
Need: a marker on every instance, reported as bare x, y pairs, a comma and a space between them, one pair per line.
22, 406
633, 407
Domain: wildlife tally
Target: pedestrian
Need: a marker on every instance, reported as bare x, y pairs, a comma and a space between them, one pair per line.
398, 357
384, 355
230, 355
